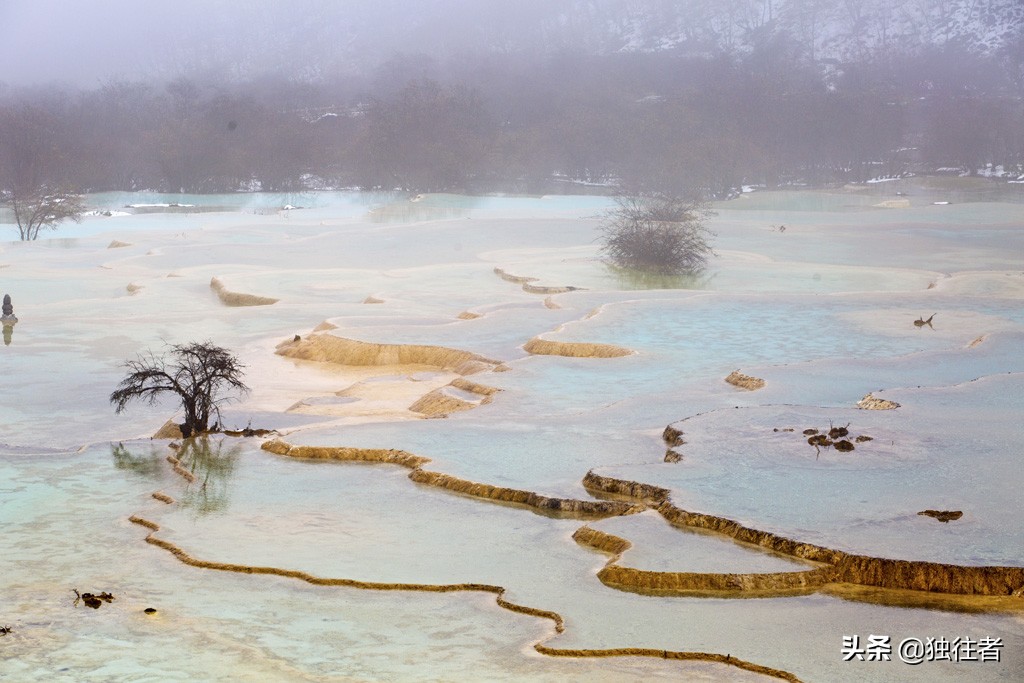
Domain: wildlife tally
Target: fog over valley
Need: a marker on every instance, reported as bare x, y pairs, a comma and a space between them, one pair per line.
511, 340
688, 97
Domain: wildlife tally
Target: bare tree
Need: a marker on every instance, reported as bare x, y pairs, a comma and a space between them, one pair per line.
42, 208
658, 234
33, 168
197, 373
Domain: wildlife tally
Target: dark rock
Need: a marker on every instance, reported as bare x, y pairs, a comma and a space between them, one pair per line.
819, 440
92, 600
943, 516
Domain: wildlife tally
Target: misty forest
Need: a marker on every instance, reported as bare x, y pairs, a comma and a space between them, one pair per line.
532, 340
770, 93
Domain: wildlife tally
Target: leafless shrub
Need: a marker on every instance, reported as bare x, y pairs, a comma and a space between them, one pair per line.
659, 234
41, 208
197, 372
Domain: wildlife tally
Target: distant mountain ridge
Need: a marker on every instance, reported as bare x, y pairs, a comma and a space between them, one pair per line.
312, 40
316, 37
845, 30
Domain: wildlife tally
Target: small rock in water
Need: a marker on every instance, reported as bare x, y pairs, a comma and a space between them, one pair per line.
92, 600
837, 432
944, 516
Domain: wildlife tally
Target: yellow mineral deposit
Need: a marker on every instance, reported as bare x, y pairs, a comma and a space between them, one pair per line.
442, 401
549, 505
169, 430
179, 470
545, 504
738, 379
509, 277
556, 619
777, 584
830, 566
438, 403
390, 456
529, 287
869, 402
608, 486
547, 347
835, 566
229, 298
327, 348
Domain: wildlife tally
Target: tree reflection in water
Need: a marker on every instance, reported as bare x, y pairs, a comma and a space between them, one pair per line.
635, 278
147, 466
207, 457
212, 463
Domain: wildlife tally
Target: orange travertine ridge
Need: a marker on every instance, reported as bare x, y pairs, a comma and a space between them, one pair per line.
832, 571
497, 591
229, 298
831, 566
838, 566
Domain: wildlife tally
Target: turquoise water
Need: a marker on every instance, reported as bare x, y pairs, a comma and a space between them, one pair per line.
922, 457
821, 344
69, 530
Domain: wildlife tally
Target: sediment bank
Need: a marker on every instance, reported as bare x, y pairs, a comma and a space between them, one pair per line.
229, 298
327, 348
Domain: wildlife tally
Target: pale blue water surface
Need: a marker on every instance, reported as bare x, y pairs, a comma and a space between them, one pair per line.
823, 311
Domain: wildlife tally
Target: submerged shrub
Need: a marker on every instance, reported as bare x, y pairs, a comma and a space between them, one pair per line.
659, 234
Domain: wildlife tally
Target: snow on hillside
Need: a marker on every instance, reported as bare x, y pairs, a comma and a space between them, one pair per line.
830, 29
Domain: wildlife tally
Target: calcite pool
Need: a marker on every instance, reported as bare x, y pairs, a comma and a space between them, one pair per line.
469, 476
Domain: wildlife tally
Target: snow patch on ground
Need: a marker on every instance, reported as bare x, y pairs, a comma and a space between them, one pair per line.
106, 212
158, 206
